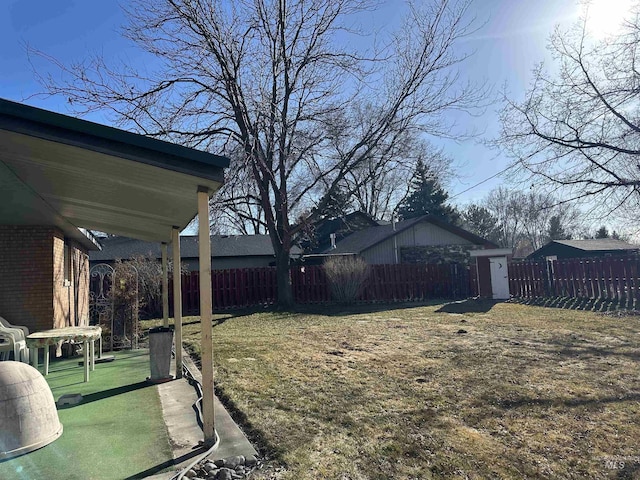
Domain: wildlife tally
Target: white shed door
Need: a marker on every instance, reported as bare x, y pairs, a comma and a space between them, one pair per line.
499, 278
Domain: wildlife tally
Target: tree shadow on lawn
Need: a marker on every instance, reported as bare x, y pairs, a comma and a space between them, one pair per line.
628, 470
509, 404
495, 407
245, 312
576, 349
583, 352
338, 310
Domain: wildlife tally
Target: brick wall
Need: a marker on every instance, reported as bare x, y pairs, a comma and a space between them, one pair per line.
33, 290
26, 272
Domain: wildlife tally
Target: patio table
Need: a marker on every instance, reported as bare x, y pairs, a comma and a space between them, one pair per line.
87, 335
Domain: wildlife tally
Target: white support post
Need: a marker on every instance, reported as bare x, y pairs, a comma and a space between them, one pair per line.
165, 287
206, 307
177, 299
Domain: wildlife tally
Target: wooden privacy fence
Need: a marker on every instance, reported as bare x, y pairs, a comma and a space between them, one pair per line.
240, 288
236, 288
604, 278
387, 283
416, 282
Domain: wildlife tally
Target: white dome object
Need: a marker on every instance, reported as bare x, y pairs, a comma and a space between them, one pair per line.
28, 412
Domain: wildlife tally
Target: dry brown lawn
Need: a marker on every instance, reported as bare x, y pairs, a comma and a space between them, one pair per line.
405, 393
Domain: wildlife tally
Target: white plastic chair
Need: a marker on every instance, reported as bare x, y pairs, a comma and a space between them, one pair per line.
5, 323
8, 344
14, 339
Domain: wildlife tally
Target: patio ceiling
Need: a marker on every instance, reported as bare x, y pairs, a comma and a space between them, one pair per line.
71, 173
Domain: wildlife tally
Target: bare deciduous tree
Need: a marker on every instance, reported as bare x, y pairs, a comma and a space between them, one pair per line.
506, 207
237, 207
286, 88
579, 128
524, 218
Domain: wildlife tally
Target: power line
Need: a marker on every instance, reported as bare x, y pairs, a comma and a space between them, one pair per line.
480, 183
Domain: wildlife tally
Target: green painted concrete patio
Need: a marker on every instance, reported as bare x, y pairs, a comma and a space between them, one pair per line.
117, 432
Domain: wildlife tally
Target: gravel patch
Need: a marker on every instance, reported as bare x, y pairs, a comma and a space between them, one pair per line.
230, 468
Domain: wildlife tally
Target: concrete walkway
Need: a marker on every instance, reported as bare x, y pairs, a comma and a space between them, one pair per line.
178, 398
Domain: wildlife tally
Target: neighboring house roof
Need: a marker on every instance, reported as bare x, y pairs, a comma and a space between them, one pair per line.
221, 246
364, 239
588, 246
341, 227
597, 244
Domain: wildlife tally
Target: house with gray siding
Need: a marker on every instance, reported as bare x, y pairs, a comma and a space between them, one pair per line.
425, 239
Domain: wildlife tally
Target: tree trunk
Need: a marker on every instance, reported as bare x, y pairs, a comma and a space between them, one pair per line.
285, 292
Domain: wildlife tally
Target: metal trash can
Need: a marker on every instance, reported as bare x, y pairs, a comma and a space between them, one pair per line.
160, 342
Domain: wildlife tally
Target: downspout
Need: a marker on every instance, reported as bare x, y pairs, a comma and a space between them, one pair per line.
395, 248
478, 277
395, 240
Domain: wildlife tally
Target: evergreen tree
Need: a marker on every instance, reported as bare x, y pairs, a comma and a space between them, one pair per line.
334, 204
602, 232
480, 221
427, 197
616, 236
556, 230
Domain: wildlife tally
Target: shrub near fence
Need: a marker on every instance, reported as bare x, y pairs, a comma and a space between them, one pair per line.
603, 278
249, 287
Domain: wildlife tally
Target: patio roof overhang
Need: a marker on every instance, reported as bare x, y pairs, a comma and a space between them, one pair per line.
74, 174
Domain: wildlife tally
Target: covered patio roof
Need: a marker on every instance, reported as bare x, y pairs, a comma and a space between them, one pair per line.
73, 174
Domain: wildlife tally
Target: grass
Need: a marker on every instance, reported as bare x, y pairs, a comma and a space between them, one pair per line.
461, 391
117, 431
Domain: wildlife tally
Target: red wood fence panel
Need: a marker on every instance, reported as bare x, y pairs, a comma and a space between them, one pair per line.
614, 279
239, 288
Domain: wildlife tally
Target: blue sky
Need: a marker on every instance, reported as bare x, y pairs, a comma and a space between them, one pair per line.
508, 45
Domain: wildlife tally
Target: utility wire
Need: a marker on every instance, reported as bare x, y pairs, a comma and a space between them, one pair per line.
480, 183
